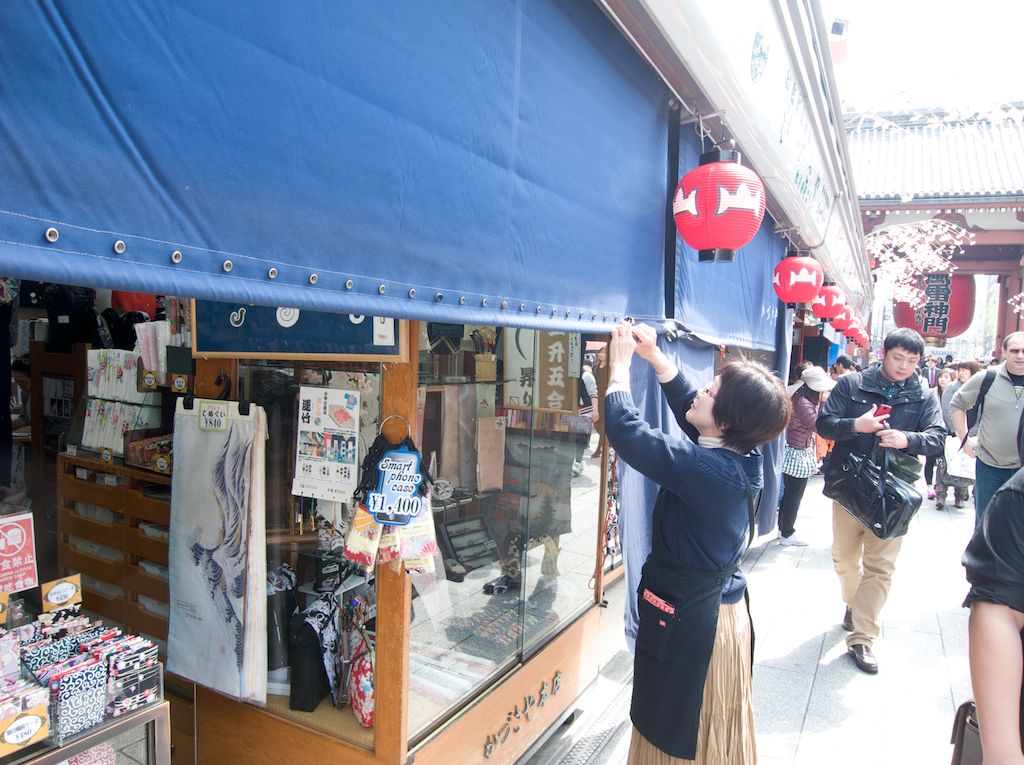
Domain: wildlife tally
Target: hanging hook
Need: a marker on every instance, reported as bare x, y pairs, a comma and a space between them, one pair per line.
408, 427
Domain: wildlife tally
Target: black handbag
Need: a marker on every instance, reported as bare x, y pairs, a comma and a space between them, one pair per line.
966, 738
882, 502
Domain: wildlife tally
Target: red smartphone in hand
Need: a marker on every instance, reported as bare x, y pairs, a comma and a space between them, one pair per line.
882, 409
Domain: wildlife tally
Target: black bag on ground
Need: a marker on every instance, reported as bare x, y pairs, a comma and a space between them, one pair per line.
966, 738
881, 501
308, 676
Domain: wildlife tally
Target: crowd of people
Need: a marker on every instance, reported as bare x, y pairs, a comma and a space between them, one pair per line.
924, 416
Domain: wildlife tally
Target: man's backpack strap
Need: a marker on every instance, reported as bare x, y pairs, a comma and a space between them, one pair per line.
979, 404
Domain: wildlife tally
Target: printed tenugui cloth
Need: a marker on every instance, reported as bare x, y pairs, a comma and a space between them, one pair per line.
217, 550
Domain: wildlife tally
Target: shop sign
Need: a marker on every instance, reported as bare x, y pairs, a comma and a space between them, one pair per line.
397, 500
24, 729
254, 331
17, 553
519, 716
61, 593
327, 450
213, 415
542, 370
948, 310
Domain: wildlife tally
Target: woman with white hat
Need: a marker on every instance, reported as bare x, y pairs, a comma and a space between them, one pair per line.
800, 460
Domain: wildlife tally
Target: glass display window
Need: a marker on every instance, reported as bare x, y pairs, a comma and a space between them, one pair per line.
515, 505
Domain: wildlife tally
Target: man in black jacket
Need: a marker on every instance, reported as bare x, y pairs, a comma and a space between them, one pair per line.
914, 426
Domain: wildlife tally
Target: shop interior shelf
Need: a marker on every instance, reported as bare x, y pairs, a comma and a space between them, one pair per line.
138, 581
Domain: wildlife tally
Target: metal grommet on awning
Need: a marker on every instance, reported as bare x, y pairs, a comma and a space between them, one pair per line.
349, 284
483, 302
176, 256
313, 278
504, 304
539, 309
119, 247
381, 289
462, 300
271, 273
227, 266
438, 297
522, 306
412, 292
52, 235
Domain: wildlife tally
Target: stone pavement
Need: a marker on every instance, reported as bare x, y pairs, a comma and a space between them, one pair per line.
812, 704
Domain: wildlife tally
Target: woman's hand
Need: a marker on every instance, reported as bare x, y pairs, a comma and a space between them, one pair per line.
621, 351
647, 348
646, 342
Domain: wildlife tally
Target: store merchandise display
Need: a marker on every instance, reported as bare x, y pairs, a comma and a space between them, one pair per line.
83, 671
217, 551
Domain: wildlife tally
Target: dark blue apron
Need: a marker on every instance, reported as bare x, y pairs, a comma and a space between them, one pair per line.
678, 608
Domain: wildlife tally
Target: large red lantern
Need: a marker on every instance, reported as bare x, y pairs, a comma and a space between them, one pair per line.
948, 310
798, 279
843, 319
829, 303
853, 330
718, 206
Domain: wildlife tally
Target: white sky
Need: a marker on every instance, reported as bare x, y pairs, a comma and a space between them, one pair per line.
928, 53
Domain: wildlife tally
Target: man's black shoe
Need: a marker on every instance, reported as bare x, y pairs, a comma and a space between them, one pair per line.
848, 620
863, 658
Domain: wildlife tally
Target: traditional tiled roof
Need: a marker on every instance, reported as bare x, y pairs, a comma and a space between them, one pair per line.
931, 154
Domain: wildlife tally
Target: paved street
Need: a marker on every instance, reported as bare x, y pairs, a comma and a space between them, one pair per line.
813, 706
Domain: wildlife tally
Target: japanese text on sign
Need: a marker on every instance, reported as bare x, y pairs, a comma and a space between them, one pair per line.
933, 316
213, 415
519, 715
17, 553
327, 448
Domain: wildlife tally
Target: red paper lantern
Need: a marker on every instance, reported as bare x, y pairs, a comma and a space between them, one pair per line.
718, 206
949, 309
798, 279
853, 330
843, 319
829, 303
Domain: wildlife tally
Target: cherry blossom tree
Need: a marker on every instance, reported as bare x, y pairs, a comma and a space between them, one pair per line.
901, 255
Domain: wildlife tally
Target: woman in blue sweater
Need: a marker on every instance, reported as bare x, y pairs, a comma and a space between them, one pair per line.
692, 668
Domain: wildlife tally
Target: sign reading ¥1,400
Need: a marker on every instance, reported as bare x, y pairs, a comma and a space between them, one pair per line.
253, 331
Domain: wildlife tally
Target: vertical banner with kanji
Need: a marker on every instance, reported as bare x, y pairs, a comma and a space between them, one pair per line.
327, 452
948, 308
17, 553
542, 370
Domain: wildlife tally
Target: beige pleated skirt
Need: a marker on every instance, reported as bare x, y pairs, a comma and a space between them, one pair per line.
725, 733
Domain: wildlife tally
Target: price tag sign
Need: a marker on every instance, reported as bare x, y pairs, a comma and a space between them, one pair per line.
397, 499
213, 415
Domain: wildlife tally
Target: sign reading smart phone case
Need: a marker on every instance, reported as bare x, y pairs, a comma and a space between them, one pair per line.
254, 331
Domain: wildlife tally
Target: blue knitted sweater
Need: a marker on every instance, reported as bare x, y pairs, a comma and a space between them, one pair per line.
703, 499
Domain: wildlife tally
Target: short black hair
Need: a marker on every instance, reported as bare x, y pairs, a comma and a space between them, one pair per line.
21, 364
844, 361
752, 405
904, 338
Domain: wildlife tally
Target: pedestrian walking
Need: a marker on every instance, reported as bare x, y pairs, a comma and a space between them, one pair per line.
942, 381
994, 560
799, 460
997, 395
692, 694
913, 426
963, 370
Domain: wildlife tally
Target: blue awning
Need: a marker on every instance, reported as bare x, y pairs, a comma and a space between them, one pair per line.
500, 162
